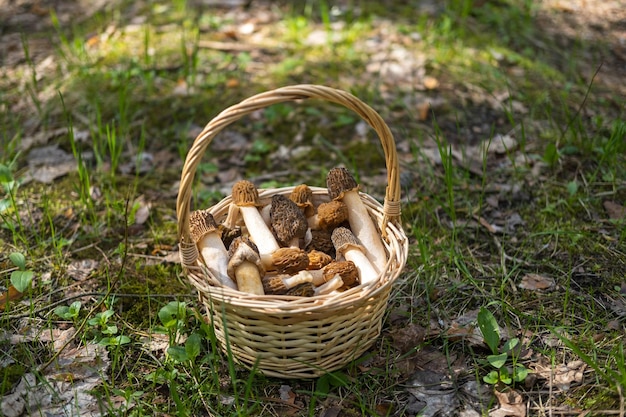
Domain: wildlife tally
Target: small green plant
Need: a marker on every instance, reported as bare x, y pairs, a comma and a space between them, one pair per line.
107, 331
69, 312
501, 374
22, 278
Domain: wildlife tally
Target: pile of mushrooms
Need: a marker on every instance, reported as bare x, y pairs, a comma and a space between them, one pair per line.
290, 246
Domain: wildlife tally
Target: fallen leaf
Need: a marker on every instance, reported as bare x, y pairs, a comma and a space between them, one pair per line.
536, 282
143, 212
614, 210
465, 328
562, 376
437, 392
156, 342
62, 389
407, 338
81, 270
286, 394
511, 405
332, 411
10, 294
499, 144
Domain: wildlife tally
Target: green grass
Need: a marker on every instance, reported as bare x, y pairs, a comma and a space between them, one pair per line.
135, 79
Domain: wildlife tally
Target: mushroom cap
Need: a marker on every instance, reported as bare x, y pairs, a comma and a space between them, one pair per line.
347, 270
245, 194
241, 250
306, 289
290, 260
201, 222
321, 241
338, 181
274, 284
343, 239
287, 220
301, 195
318, 259
331, 214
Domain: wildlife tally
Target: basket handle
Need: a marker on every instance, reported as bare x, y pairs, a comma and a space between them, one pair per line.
391, 206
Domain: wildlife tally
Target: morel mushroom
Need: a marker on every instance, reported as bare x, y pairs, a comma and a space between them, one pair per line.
282, 283
347, 270
320, 240
302, 195
342, 185
245, 266
290, 260
329, 215
246, 197
288, 221
349, 246
203, 230
318, 259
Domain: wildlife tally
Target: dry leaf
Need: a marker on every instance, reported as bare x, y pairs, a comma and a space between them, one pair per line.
81, 269
332, 411
511, 405
286, 394
9, 295
143, 212
535, 282
614, 210
436, 391
407, 338
563, 376
66, 388
464, 328
499, 144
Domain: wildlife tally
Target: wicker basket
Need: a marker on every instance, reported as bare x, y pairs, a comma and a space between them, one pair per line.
287, 336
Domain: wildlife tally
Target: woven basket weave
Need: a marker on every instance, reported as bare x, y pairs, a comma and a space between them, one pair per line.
287, 336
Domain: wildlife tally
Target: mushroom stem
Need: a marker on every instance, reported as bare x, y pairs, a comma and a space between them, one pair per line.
249, 278
341, 185
215, 258
364, 229
333, 284
246, 197
204, 231
245, 267
352, 250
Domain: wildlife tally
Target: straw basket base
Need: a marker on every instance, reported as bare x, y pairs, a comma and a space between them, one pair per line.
302, 347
